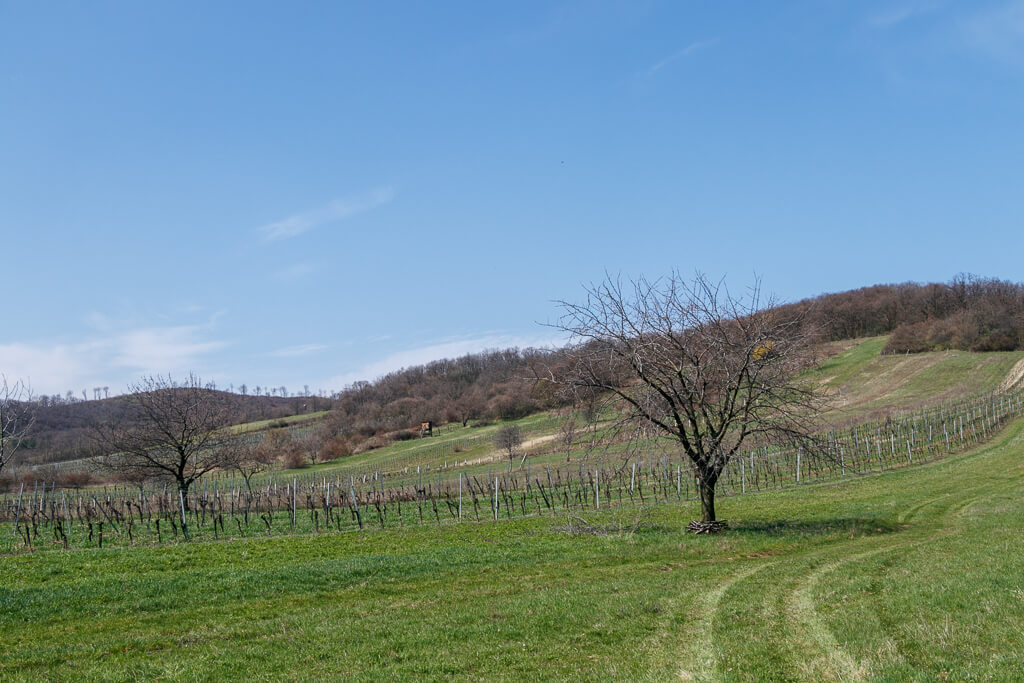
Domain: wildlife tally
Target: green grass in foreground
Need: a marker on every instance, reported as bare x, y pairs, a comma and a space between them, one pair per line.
912, 574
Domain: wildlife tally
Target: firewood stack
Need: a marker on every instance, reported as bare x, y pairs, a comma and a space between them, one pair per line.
698, 527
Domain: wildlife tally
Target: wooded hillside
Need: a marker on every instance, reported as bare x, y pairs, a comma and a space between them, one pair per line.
967, 313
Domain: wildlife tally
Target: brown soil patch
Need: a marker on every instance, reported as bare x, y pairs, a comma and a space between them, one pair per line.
1014, 377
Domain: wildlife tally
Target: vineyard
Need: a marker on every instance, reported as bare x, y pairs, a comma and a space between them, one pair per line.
403, 494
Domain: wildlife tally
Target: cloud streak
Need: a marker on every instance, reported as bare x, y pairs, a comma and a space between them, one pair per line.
680, 54
299, 350
335, 211
998, 32
294, 272
122, 357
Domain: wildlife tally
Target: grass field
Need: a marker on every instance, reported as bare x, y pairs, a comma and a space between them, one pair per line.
911, 574
289, 421
861, 382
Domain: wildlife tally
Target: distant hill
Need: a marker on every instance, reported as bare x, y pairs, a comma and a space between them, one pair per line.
967, 313
61, 430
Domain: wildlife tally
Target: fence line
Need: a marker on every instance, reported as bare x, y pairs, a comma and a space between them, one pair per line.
216, 507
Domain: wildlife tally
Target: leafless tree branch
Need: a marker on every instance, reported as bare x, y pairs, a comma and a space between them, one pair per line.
687, 360
177, 432
16, 418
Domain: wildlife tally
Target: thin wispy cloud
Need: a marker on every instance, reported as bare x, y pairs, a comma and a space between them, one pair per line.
998, 32
680, 54
890, 17
295, 271
298, 350
335, 211
900, 13
109, 360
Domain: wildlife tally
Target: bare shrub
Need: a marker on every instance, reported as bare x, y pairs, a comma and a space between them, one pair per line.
75, 480
335, 448
295, 458
509, 439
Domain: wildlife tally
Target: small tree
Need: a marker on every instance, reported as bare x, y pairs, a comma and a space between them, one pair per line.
249, 459
567, 432
688, 361
509, 438
172, 431
16, 418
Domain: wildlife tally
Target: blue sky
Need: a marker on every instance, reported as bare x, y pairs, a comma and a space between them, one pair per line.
313, 193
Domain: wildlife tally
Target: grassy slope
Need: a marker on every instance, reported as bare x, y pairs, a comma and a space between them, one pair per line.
291, 420
861, 381
910, 574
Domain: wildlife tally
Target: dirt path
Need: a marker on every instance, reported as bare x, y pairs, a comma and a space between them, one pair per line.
1014, 376
530, 443
782, 595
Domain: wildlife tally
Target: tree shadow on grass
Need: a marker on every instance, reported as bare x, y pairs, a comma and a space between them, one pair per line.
854, 526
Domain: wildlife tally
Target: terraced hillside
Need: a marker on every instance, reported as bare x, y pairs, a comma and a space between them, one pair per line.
862, 382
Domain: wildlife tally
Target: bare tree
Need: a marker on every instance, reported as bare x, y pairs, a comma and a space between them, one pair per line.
312, 445
16, 418
250, 458
509, 438
567, 432
173, 431
688, 361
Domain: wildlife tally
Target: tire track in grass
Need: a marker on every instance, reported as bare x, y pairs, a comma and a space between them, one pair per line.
1008, 481
784, 602
814, 653
903, 646
834, 662
703, 648
704, 660
806, 648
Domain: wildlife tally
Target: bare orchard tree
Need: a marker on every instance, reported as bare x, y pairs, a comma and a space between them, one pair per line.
16, 418
509, 438
172, 431
567, 432
685, 359
249, 458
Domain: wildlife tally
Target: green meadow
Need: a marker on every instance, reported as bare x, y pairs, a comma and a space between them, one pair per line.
910, 574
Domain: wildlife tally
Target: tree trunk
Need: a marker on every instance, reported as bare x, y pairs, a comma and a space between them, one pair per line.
707, 499
183, 488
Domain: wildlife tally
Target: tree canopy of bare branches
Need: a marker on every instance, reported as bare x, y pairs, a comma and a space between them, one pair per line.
177, 432
509, 438
685, 359
16, 418
250, 458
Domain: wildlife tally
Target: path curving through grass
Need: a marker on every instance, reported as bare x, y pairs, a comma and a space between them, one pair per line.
910, 574
791, 618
